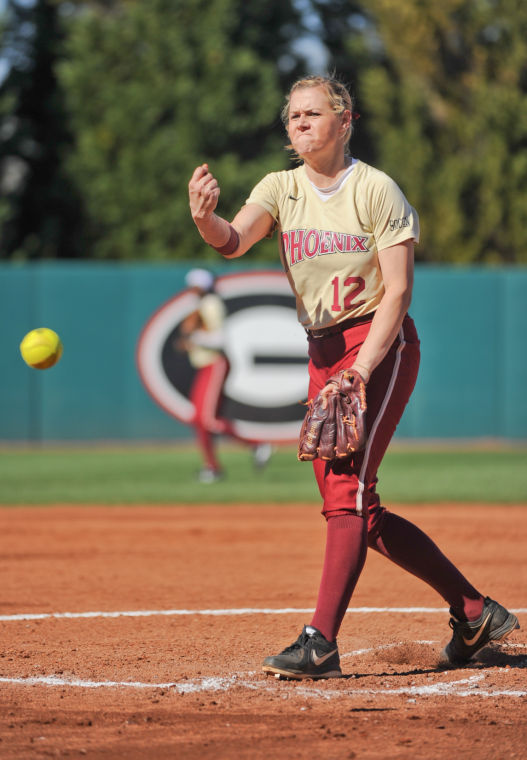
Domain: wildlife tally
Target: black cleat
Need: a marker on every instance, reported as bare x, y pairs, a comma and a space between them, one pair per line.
311, 656
494, 624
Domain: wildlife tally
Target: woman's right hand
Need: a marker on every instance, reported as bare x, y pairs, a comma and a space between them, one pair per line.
204, 191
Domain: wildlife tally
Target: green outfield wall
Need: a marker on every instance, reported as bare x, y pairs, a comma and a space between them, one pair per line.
472, 324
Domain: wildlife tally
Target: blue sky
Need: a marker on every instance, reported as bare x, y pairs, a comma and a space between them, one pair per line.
3, 66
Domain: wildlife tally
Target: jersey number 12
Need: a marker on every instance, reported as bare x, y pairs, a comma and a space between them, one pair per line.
349, 295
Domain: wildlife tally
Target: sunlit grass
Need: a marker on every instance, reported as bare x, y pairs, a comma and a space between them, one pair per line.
168, 476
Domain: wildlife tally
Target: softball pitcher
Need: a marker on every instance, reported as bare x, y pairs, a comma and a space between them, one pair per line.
346, 235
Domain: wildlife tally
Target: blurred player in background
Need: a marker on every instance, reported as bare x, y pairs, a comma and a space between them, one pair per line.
202, 337
347, 236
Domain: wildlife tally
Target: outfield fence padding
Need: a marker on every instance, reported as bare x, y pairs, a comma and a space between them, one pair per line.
472, 325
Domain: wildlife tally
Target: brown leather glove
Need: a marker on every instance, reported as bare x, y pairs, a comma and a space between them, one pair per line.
335, 423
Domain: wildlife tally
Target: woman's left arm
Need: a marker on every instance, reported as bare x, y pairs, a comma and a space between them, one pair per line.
397, 268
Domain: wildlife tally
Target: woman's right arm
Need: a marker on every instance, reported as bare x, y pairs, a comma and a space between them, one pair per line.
251, 223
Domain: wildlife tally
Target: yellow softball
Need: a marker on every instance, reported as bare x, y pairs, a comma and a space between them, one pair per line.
41, 348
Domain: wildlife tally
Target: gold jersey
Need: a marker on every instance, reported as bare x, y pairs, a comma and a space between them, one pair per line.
206, 343
329, 239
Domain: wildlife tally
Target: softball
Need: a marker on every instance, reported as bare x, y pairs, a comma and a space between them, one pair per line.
41, 348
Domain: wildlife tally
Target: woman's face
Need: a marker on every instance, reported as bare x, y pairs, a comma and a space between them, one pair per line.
313, 126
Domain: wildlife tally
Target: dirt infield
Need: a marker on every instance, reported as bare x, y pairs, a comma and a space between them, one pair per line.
139, 632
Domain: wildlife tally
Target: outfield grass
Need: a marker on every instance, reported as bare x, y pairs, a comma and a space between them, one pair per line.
168, 476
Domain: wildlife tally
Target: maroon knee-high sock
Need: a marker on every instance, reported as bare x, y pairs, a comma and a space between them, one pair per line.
406, 545
206, 444
346, 547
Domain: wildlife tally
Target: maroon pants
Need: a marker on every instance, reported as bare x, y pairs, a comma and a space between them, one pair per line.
350, 486
205, 395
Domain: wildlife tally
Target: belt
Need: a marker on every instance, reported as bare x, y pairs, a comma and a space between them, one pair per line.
340, 327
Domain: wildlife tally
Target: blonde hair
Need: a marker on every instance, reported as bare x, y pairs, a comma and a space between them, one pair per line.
338, 96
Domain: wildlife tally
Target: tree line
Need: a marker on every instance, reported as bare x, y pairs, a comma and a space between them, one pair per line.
106, 108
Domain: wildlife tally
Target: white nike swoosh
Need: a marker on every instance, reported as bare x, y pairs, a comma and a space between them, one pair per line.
474, 639
319, 660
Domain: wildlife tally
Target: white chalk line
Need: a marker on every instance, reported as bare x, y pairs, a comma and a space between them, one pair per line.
204, 684
381, 647
464, 687
222, 612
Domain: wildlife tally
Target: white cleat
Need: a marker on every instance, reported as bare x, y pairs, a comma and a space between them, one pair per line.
261, 455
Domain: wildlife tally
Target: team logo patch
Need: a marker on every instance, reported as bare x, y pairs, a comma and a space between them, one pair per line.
266, 348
